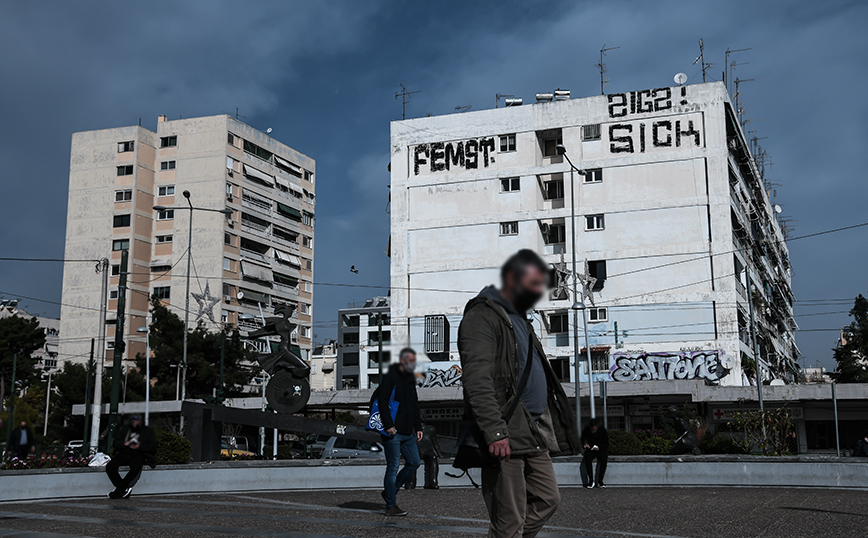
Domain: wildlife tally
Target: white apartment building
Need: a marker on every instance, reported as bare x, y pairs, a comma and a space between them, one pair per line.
46, 356
673, 221
323, 360
259, 257
358, 348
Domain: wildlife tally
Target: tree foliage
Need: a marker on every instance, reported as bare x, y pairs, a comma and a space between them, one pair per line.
18, 336
770, 431
203, 358
852, 357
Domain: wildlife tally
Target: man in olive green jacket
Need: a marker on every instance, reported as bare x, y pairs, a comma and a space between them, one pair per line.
493, 340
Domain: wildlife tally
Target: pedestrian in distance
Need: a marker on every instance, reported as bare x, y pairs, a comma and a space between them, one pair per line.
861, 449
23, 442
134, 446
429, 448
402, 433
595, 442
514, 399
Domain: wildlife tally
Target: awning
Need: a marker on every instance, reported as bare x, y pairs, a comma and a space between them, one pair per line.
52, 348
290, 167
288, 211
254, 296
259, 272
257, 174
230, 163
161, 263
287, 257
285, 279
283, 182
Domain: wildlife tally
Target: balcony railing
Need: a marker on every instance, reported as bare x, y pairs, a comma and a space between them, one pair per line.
256, 229
256, 205
741, 289
253, 254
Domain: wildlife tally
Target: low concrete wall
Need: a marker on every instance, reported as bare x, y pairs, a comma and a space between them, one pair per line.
222, 477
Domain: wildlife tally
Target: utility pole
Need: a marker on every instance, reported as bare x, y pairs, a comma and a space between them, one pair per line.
47, 402
220, 390
11, 401
87, 401
380, 347
96, 411
118, 351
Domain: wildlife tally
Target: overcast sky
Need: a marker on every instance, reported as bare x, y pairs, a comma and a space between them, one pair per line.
323, 75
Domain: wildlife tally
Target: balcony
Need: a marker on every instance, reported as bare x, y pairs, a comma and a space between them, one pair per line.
254, 255
739, 287
255, 229
256, 204
285, 288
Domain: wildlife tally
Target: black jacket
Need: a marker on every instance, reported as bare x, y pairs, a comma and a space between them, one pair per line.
408, 421
598, 438
861, 450
147, 443
429, 446
16, 439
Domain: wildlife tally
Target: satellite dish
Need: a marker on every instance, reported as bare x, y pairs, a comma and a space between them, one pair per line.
777, 382
680, 78
778, 208
240, 295
268, 131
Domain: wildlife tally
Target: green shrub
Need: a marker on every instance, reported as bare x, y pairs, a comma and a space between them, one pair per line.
656, 445
718, 443
623, 443
172, 449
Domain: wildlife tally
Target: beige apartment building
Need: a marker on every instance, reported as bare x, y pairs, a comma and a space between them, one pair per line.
260, 257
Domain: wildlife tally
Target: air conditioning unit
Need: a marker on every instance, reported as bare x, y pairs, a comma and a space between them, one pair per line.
231, 223
229, 197
227, 298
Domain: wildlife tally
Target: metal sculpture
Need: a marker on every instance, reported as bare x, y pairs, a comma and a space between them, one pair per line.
288, 389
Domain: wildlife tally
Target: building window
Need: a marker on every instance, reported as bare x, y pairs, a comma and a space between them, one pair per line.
307, 218
113, 294
166, 190
125, 170
554, 234
121, 244
306, 241
597, 269
507, 142
590, 132
126, 147
162, 292
550, 146
595, 222
350, 359
167, 165
599, 361
234, 140
123, 196
554, 189
594, 175
559, 323
166, 214
121, 221
598, 314
168, 141
229, 264
308, 264
510, 184
509, 228
304, 331
304, 308
164, 239
161, 269
227, 239
116, 270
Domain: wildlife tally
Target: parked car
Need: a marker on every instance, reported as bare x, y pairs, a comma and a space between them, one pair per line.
73, 448
233, 447
343, 447
316, 445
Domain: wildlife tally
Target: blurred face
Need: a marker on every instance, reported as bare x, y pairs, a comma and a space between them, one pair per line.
408, 362
594, 428
23, 425
527, 290
136, 422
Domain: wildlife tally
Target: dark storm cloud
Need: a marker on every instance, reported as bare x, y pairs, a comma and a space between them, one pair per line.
324, 75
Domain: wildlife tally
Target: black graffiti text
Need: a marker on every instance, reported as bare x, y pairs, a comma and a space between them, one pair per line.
466, 154
624, 138
643, 101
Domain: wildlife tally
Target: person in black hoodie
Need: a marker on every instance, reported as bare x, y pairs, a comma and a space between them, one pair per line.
135, 446
595, 442
404, 432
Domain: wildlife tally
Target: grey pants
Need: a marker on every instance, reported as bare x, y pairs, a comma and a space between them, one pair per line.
520, 496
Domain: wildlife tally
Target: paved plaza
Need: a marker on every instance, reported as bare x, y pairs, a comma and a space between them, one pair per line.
612, 513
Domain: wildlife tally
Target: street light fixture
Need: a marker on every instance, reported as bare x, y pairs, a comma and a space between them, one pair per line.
579, 300
189, 206
147, 332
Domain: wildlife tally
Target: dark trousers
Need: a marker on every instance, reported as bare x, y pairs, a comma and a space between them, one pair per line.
22, 452
432, 470
131, 458
602, 461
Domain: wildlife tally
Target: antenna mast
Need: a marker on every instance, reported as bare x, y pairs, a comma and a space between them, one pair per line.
602, 68
405, 98
727, 72
701, 59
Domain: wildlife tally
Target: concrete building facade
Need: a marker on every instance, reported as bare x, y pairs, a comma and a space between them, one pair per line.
673, 222
358, 343
323, 362
243, 265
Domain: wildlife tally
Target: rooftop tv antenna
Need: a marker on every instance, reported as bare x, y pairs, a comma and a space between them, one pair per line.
737, 96
727, 72
404, 94
499, 96
602, 67
464, 108
701, 60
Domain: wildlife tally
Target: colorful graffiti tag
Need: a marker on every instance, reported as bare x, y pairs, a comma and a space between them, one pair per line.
435, 377
710, 365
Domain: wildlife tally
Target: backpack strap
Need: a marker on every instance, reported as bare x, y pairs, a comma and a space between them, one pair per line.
525, 375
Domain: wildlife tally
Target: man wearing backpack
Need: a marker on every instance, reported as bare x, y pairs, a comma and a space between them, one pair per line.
500, 354
404, 431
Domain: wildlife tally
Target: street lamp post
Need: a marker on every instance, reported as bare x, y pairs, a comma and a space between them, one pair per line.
146, 330
228, 213
579, 303
47, 401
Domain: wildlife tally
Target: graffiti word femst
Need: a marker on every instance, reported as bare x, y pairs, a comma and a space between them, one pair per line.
467, 154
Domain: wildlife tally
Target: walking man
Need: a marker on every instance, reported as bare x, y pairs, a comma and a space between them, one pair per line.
23, 442
595, 442
404, 432
496, 341
135, 446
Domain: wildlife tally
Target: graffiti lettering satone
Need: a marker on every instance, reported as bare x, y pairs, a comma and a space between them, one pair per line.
710, 365
467, 154
450, 377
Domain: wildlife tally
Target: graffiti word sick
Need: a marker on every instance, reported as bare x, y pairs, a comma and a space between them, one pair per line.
629, 137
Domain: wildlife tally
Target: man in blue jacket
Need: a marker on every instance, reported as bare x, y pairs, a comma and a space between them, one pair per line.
403, 432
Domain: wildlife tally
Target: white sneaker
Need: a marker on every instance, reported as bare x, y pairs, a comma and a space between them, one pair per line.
127, 493
592, 486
